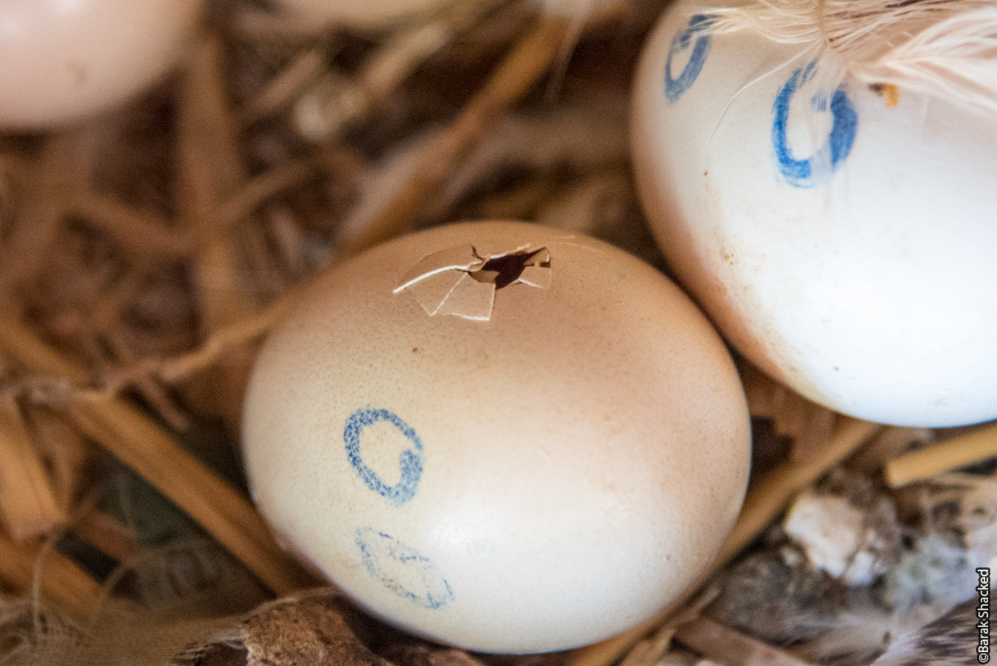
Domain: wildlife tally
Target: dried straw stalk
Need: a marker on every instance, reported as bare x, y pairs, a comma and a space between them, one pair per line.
515, 76
28, 503
715, 641
145, 447
335, 103
943, 457
65, 451
211, 173
60, 581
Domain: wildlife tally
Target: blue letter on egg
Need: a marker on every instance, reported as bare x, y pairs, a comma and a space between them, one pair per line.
401, 569
410, 460
674, 87
805, 173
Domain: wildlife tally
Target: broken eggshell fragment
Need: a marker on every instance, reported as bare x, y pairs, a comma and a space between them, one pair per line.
499, 436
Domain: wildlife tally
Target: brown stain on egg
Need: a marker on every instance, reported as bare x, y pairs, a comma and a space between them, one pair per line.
78, 71
889, 93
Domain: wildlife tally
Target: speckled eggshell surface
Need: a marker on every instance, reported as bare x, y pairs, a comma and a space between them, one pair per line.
535, 479
63, 61
841, 239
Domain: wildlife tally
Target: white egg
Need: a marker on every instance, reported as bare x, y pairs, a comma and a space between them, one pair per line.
363, 14
516, 468
842, 240
61, 60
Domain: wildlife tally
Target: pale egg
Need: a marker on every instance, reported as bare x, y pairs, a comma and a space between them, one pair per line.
64, 60
841, 238
499, 436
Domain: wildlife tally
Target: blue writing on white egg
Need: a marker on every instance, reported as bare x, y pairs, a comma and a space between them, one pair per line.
402, 570
676, 86
410, 460
807, 172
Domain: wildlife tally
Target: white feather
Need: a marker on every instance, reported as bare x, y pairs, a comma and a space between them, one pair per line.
943, 48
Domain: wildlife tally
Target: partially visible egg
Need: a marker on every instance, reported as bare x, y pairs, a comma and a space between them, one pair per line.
499, 436
842, 239
63, 61
362, 14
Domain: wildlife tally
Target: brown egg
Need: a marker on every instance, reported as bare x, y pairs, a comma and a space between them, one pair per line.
500, 436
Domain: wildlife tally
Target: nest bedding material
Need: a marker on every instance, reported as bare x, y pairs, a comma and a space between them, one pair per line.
144, 253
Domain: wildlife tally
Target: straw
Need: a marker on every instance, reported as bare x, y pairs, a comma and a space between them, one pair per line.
948, 455
65, 450
60, 580
336, 102
279, 92
211, 173
28, 504
48, 196
730, 647
105, 532
144, 235
515, 76
145, 447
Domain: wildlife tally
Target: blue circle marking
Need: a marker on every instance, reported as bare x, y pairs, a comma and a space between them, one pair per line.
803, 173
410, 460
401, 569
676, 86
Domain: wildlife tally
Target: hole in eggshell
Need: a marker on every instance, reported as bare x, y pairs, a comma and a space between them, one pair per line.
461, 282
508, 269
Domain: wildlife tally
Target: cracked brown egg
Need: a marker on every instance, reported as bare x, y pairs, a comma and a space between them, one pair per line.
499, 436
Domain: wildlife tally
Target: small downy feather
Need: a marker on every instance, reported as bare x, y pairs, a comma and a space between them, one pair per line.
948, 641
942, 48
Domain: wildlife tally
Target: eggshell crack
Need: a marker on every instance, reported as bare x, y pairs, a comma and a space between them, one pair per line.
457, 281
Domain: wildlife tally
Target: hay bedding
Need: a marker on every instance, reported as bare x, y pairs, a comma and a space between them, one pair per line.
146, 252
